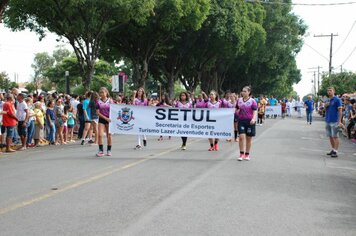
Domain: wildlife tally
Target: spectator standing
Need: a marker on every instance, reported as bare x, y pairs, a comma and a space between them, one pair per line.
22, 114
9, 120
333, 116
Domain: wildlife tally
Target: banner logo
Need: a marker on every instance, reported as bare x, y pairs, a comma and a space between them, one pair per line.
125, 116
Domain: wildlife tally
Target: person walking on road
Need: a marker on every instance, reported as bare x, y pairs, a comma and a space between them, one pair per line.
333, 116
184, 102
213, 103
103, 112
309, 108
247, 108
139, 99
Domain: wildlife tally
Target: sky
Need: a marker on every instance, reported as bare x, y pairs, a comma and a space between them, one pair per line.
17, 49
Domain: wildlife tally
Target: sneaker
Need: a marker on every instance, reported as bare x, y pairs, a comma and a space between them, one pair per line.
145, 143
100, 154
241, 157
211, 149
108, 153
247, 157
90, 141
216, 147
22, 149
334, 154
330, 153
82, 143
138, 147
184, 147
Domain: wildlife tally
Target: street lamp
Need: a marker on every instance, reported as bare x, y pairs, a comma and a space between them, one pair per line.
67, 82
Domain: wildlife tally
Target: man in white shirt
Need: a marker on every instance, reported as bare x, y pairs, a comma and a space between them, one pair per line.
22, 115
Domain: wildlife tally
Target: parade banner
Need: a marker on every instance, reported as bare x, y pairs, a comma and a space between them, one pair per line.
273, 110
166, 121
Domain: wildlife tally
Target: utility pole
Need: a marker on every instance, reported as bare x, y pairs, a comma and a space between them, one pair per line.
331, 48
314, 68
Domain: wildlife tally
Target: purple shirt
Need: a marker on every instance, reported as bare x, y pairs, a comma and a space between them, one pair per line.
246, 109
104, 107
213, 105
139, 102
179, 104
200, 103
227, 104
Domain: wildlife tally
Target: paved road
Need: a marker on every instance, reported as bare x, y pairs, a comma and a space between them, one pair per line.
290, 187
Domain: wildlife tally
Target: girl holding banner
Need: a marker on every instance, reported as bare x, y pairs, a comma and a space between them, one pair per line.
214, 103
165, 102
184, 102
139, 99
103, 111
247, 108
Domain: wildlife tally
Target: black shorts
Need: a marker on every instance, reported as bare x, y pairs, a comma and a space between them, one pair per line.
103, 121
246, 128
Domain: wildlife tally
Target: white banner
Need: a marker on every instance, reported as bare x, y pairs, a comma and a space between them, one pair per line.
166, 121
273, 110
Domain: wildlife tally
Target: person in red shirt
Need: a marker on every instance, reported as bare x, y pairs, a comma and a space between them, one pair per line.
9, 120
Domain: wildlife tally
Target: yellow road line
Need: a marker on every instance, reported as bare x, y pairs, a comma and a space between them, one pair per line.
79, 183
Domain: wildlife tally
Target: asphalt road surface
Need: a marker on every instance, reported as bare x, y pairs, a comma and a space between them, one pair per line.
290, 187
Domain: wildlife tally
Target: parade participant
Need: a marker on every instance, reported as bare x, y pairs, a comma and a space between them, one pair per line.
229, 102
213, 103
235, 98
139, 99
183, 102
333, 120
200, 101
309, 108
103, 111
165, 102
247, 108
9, 120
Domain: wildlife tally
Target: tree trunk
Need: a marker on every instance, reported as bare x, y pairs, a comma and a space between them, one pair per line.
88, 75
3, 5
170, 84
140, 73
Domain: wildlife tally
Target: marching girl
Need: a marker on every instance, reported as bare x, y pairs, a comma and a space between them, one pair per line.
165, 102
183, 102
229, 101
247, 108
103, 111
139, 99
213, 103
201, 100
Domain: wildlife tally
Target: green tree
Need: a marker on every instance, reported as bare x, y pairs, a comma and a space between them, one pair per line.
5, 82
344, 82
83, 23
140, 43
42, 62
271, 67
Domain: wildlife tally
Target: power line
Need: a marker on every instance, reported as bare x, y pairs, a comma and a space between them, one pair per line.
300, 4
345, 38
327, 59
348, 57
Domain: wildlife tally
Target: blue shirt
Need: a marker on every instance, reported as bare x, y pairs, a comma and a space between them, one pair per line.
309, 104
332, 111
87, 108
272, 101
